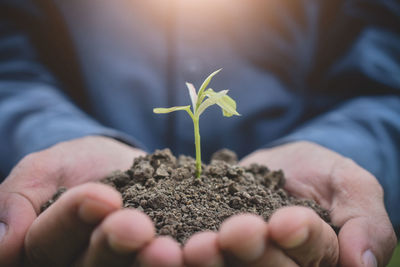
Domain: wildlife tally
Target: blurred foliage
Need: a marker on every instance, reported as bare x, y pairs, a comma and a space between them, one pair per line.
395, 261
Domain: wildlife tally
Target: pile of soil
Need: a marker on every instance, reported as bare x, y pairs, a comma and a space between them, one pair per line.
180, 204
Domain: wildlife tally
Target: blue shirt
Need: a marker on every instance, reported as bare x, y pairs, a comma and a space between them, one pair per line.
322, 71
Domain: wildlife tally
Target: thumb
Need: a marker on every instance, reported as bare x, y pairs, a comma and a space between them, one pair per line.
16, 215
366, 241
366, 237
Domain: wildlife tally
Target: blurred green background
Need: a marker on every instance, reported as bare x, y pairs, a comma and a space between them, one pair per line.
395, 261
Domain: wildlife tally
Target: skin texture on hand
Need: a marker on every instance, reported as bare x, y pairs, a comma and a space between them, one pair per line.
86, 226
296, 236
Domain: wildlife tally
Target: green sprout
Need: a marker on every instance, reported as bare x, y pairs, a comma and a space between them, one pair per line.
200, 102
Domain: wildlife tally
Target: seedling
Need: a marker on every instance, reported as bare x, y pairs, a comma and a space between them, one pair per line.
200, 102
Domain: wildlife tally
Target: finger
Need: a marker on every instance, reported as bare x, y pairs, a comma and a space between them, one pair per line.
64, 229
366, 241
118, 239
243, 236
16, 215
366, 237
272, 257
162, 252
304, 236
202, 250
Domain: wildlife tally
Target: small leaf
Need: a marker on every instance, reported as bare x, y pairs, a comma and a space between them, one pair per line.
226, 103
171, 109
212, 99
228, 106
200, 100
204, 86
193, 95
210, 92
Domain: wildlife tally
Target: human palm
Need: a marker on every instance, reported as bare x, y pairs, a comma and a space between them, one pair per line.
351, 194
86, 226
105, 235
296, 236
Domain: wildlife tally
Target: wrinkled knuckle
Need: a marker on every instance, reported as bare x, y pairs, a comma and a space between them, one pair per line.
347, 171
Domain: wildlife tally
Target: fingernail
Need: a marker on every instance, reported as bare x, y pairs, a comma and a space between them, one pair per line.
295, 239
3, 230
369, 259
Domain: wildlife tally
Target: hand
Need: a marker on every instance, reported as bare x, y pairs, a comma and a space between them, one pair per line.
296, 235
86, 226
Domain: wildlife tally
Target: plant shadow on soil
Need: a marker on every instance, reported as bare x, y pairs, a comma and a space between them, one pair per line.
166, 189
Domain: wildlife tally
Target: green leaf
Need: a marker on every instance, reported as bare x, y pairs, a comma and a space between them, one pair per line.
200, 100
171, 109
212, 99
193, 95
204, 86
228, 106
226, 103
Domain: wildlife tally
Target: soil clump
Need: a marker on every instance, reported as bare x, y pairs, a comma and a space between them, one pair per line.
166, 189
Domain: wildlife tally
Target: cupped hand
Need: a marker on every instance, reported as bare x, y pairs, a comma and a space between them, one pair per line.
86, 226
296, 236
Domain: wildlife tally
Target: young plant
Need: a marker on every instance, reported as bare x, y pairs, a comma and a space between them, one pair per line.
200, 102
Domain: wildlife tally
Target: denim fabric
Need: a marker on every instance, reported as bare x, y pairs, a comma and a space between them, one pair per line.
324, 71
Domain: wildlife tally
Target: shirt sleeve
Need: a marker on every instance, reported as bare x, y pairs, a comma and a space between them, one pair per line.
34, 111
367, 130
365, 127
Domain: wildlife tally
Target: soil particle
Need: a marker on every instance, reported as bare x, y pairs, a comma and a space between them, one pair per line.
180, 205
56, 196
225, 155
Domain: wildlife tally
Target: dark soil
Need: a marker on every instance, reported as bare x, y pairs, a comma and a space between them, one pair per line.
166, 189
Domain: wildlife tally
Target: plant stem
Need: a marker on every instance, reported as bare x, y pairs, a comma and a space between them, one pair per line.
197, 143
